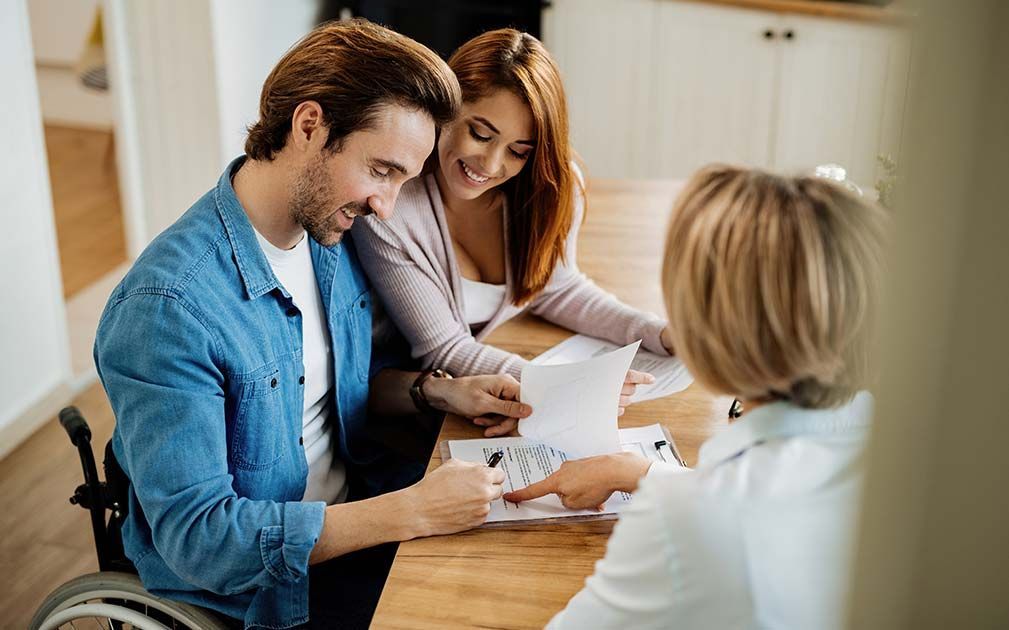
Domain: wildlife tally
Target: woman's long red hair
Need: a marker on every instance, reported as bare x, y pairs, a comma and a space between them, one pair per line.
541, 197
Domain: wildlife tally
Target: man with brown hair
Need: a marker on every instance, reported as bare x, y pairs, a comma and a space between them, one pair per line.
237, 354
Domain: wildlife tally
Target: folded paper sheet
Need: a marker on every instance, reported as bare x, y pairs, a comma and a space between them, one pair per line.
670, 374
575, 404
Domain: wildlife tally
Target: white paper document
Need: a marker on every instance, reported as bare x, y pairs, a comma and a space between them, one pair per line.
575, 404
670, 374
526, 461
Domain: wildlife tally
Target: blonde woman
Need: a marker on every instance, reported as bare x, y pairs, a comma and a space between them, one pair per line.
770, 280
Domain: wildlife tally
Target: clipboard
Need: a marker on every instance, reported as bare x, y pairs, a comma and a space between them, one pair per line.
538, 511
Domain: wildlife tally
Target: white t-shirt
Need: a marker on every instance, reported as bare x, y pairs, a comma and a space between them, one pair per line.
327, 476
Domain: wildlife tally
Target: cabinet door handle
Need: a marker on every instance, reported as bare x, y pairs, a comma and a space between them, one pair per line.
768, 34
789, 34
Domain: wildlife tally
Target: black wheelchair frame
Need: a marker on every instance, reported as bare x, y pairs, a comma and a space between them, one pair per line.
99, 497
114, 595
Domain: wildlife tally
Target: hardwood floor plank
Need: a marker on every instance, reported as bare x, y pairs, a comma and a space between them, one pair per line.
89, 220
46, 540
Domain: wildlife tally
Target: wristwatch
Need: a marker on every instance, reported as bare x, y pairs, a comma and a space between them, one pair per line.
417, 389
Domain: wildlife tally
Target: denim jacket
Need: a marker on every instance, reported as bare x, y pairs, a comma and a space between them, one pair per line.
200, 352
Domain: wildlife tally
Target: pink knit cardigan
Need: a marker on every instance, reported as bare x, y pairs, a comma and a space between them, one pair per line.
411, 263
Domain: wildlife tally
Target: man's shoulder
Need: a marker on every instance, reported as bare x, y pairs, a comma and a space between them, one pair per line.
183, 254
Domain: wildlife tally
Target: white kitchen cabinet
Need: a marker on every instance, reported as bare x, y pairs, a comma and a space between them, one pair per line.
713, 89
604, 49
658, 88
840, 96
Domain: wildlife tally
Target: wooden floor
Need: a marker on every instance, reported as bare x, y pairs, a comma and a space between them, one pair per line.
46, 541
89, 220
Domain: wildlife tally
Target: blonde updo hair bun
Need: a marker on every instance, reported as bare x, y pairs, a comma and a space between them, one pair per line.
771, 285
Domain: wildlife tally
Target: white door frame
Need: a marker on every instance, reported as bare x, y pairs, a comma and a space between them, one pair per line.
128, 150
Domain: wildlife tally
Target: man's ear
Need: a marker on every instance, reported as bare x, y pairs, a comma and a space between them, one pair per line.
308, 128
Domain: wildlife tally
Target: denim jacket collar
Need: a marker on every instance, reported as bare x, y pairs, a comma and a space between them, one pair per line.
253, 266
781, 420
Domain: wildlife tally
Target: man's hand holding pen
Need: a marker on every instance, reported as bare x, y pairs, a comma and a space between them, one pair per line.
454, 497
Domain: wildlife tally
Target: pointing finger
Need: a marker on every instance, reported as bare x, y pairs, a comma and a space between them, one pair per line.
532, 491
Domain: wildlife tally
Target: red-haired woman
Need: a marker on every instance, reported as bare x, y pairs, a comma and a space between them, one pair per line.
491, 229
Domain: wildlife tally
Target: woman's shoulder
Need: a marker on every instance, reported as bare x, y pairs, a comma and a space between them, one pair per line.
576, 170
413, 217
415, 201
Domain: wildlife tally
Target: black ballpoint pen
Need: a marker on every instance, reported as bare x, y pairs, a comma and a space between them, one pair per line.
495, 459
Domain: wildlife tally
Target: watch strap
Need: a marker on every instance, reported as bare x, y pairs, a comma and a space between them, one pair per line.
417, 389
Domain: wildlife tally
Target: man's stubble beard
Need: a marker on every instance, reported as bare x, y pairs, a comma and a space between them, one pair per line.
311, 204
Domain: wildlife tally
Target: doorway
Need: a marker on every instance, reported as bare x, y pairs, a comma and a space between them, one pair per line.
79, 127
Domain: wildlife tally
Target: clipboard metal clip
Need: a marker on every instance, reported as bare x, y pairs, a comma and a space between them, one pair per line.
672, 451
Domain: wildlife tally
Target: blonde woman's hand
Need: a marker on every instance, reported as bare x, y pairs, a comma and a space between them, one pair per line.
631, 382
586, 484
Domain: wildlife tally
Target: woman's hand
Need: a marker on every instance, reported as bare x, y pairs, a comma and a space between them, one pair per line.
667, 340
631, 382
584, 484
490, 401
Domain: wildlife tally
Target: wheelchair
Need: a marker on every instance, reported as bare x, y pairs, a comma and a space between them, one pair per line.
113, 597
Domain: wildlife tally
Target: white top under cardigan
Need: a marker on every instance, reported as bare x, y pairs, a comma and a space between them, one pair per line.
759, 535
481, 300
411, 263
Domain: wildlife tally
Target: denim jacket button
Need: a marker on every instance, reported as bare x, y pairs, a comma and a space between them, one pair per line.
301, 380
301, 440
291, 312
364, 303
273, 383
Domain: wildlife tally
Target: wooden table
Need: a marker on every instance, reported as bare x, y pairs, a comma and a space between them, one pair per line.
519, 576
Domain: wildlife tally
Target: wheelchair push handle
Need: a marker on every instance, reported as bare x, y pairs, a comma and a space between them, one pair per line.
75, 425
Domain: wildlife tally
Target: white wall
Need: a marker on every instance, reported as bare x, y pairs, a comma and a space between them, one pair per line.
184, 97
249, 38
67, 102
164, 88
60, 28
33, 337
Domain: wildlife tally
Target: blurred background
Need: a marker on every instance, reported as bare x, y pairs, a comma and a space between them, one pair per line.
118, 114
143, 103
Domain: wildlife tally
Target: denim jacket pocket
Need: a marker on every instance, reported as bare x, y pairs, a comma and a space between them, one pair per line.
359, 316
258, 440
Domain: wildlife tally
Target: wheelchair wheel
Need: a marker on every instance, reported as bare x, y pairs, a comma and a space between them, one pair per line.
117, 600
